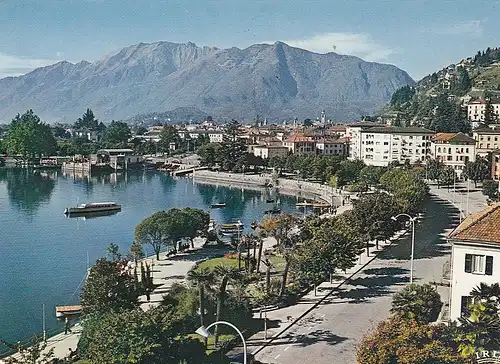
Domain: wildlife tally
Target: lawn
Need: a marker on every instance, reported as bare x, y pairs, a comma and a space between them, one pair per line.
278, 262
212, 263
210, 343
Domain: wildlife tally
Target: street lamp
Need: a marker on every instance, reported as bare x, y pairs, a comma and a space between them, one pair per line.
412, 220
203, 331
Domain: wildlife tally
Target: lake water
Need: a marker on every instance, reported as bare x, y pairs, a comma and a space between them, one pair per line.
44, 254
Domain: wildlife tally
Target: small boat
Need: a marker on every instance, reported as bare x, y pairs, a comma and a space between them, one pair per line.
93, 207
218, 205
270, 200
254, 225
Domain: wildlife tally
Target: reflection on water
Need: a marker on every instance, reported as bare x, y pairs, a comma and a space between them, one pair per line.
44, 254
91, 215
28, 189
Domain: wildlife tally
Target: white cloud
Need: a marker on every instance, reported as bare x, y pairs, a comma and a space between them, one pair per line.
356, 44
15, 66
471, 27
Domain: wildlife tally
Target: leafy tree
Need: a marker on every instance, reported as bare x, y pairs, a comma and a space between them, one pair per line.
197, 223
60, 132
88, 121
136, 251
447, 176
490, 117
117, 133
370, 175
233, 151
407, 342
478, 170
109, 288
169, 135
417, 302
326, 251
373, 214
156, 230
29, 137
138, 337
490, 189
407, 187
209, 154
433, 168
114, 251
36, 352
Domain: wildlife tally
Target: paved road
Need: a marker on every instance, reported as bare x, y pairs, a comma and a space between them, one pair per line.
330, 332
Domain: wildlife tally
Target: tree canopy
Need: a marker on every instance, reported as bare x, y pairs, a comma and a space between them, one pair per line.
117, 133
109, 288
29, 137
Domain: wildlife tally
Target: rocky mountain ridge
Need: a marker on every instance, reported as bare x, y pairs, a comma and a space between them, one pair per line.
271, 80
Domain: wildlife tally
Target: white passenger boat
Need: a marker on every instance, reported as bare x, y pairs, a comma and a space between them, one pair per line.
93, 207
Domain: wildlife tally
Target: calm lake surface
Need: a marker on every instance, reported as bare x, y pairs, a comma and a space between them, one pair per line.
44, 254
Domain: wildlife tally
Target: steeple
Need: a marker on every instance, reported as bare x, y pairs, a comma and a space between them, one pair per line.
323, 117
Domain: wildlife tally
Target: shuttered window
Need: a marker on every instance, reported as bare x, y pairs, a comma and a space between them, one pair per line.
479, 264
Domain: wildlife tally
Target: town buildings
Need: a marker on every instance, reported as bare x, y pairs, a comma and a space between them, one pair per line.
476, 110
487, 138
381, 145
495, 165
454, 150
475, 256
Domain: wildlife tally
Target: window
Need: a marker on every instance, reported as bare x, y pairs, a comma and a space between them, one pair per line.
465, 302
479, 264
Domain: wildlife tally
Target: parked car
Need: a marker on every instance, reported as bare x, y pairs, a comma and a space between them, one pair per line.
238, 359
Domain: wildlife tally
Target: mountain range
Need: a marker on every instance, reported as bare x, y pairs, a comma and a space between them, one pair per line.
276, 81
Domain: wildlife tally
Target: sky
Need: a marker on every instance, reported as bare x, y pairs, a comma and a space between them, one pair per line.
418, 36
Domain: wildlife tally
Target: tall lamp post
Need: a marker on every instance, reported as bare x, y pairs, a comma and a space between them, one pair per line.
412, 220
203, 331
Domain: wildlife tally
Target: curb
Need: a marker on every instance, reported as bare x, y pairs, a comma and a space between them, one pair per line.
315, 305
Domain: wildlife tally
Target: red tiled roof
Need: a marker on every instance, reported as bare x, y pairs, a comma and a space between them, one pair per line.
298, 139
483, 226
453, 137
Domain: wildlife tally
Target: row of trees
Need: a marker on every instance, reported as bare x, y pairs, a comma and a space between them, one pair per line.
29, 137
408, 336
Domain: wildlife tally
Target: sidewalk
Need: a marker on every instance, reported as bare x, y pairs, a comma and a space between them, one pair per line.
287, 316
466, 202
166, 271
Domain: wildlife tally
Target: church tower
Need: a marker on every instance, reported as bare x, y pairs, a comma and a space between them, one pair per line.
323, 117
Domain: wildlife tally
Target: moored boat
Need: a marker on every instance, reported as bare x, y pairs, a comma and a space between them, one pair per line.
218, 205
93, 207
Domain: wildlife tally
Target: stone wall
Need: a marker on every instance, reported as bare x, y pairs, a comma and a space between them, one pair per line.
285, 186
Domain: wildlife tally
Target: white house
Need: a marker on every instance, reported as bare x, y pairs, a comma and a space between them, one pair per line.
475, 256
454, 150
215, 136
487, 138
476, 109
333, 146
271, 151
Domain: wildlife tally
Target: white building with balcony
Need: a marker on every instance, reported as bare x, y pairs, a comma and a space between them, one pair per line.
379, 146
475, 257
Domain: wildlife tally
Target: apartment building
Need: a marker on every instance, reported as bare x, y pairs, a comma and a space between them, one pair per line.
353, 133
300, 145
475, 256
336, 146
487, 138
454, 150
476, 109
379, 146
271, 151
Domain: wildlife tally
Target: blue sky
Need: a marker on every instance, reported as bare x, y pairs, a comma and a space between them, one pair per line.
416, 35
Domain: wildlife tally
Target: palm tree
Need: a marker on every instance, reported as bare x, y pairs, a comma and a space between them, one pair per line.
285, 231
417, 302
203, 279
487, 293
223, 274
